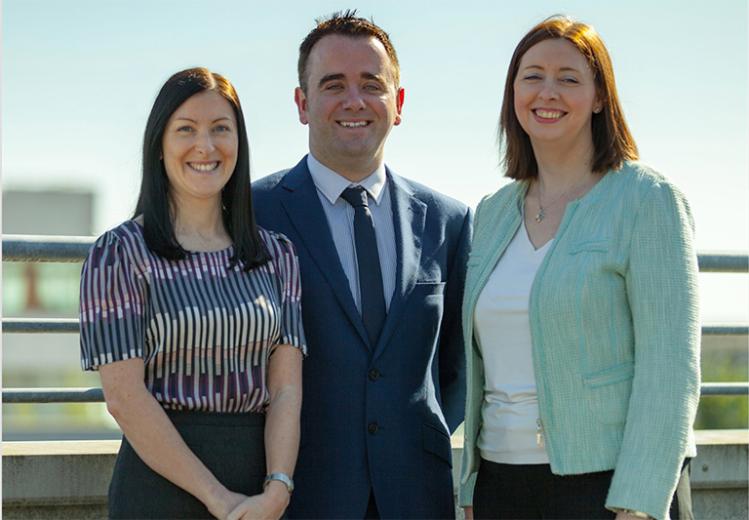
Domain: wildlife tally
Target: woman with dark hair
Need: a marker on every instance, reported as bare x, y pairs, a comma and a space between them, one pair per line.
580, 311
191, 314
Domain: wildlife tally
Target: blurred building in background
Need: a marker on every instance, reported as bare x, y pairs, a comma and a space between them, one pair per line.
47, 290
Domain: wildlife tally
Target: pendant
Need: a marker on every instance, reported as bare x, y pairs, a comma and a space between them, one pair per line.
540, 215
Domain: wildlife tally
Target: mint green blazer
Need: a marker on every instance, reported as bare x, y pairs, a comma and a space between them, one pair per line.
615, 328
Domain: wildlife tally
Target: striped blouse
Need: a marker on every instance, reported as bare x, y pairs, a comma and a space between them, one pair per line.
204, 331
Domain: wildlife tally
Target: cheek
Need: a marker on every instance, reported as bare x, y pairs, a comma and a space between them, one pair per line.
230, 149
520, 101
171, 159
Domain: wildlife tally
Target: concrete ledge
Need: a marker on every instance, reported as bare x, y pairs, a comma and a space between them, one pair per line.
69, 479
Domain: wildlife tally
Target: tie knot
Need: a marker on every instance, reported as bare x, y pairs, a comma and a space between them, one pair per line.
356, 196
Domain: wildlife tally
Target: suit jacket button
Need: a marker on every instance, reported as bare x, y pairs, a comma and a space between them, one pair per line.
374, 374
372, 428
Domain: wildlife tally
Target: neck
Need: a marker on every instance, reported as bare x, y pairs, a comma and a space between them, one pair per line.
198, 218
355, 169
563, 165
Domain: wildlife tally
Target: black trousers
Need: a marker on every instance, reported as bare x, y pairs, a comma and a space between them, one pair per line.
230, 445
515, 491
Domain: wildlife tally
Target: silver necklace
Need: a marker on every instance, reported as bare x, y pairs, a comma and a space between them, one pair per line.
541, 215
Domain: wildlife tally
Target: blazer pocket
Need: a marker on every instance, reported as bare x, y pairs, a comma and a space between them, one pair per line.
608, 392
437, 442
610, 375
593, 246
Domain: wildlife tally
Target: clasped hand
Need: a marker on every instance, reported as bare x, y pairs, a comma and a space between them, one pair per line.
268, 505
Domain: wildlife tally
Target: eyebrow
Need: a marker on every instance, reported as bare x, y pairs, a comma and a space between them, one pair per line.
340, 76
563, 69
225, 118
329, 77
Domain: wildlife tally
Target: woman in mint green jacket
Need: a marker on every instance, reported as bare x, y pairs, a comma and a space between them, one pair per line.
580, 313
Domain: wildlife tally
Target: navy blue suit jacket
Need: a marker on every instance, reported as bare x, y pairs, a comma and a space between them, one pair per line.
377, 417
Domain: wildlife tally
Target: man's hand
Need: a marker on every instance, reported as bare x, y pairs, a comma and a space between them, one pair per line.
468, 512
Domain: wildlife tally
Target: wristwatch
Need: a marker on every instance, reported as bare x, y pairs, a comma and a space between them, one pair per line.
281, 477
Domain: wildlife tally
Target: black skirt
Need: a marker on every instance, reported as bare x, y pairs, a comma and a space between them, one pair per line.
231, 445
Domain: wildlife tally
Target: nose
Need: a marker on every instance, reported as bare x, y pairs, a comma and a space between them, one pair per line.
204, 143
548, 90
354, 100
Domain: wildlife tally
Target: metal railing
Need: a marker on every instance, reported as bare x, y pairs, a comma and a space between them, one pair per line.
40, 248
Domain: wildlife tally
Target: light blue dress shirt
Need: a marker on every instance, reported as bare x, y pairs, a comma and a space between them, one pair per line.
340, 216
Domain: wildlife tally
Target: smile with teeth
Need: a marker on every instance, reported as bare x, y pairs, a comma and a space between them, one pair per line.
204, 167
353, 124
548, 114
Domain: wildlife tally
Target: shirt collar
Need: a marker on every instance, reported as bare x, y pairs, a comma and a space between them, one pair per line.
332, 184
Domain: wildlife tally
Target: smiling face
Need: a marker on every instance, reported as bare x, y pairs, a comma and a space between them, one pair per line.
200, 147
351, 103
555, 95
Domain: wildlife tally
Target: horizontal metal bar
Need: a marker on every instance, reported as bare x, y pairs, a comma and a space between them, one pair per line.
45, 248
52, 395
724, 389
37, 326
723, 262
50, 248
725, 330
95, 395
70, 325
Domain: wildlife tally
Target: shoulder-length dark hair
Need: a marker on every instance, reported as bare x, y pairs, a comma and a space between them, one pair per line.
154, 199
612, 141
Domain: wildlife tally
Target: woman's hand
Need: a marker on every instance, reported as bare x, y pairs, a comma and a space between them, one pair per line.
623, 515
468, 512
269, 505
223, 502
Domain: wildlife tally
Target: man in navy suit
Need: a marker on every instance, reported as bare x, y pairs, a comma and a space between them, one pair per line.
382, 262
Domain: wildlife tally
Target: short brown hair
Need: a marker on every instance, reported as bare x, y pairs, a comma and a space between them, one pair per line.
612, 141
344, 23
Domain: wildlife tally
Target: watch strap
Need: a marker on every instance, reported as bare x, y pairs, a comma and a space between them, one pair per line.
281, 477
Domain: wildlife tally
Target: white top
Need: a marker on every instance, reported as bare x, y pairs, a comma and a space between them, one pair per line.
340, 216
509, 410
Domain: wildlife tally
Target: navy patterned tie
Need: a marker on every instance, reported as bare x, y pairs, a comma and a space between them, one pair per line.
368, 260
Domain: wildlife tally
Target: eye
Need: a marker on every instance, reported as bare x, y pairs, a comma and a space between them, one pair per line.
333, 87
532, 77
373, 87
570, 80
184, 129
222, 128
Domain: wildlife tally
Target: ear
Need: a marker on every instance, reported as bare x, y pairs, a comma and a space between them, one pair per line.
597, 105
399, 97
301, 105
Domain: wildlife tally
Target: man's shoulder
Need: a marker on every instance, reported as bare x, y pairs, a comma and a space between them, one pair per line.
431, 197
269, 182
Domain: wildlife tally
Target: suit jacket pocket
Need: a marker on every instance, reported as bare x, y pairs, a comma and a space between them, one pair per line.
437, 442
607, 392
592, 246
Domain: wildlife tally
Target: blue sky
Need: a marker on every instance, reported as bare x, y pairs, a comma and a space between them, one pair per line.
79, 77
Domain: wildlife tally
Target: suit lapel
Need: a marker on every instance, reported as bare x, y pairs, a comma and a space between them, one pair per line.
409, 216
302, 205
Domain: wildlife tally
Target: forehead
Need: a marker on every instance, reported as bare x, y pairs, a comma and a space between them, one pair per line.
208, 104
554, 54
336, 54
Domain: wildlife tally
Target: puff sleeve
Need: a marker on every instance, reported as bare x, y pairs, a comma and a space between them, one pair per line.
112, 317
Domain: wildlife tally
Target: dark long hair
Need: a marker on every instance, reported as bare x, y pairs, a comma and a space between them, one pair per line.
612, 141
236, 200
